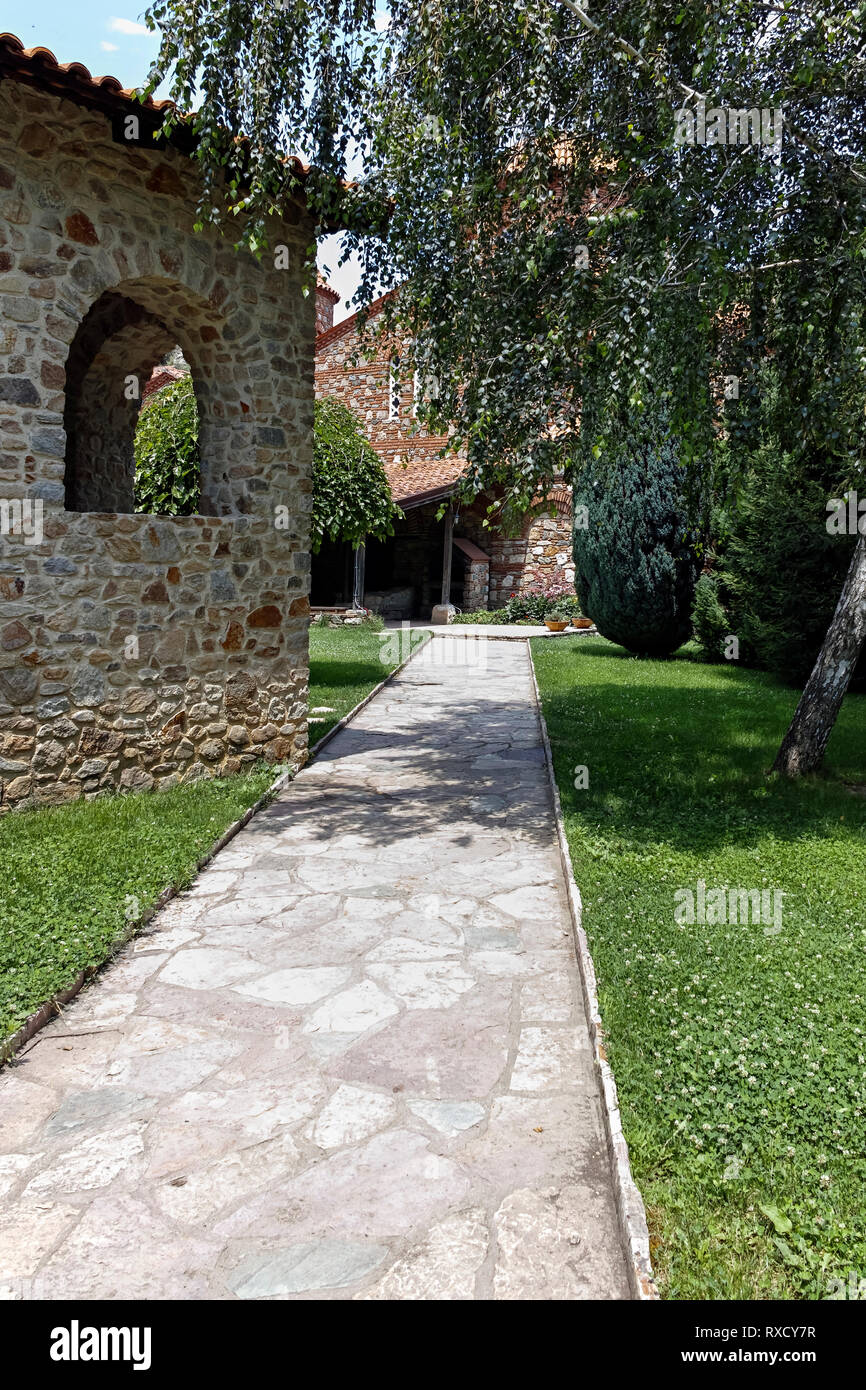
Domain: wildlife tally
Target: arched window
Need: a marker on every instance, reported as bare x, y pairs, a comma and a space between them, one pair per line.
111, 359
394, 389
127, 332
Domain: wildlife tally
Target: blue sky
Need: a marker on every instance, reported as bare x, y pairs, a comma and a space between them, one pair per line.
111, 38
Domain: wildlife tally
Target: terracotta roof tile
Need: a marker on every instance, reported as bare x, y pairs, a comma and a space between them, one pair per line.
38, 67
324, 288
159, 378
422, 478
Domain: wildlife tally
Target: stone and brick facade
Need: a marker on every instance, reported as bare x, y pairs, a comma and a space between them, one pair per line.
139, 650
364, 383
490, 566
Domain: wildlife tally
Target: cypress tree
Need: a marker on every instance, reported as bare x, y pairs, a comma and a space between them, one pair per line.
635, 562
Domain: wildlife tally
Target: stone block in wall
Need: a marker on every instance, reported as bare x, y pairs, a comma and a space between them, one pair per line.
134, 650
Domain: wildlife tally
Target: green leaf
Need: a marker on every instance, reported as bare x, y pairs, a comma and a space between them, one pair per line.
781, 1224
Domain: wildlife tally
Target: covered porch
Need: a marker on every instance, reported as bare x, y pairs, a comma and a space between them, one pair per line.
425, 565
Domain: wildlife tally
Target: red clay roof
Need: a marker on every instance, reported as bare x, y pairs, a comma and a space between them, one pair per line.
423, 479
158, 379
38, 67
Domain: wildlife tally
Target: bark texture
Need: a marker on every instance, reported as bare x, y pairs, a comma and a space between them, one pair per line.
803, 747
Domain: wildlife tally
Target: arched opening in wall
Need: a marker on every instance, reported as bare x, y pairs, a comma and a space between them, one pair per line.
111, 360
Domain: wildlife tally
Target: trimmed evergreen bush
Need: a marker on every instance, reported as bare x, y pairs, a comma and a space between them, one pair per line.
351, 493
711, 621
636, 566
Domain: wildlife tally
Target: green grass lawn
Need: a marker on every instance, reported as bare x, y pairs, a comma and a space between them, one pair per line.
346, 663
69, 872
738, 1051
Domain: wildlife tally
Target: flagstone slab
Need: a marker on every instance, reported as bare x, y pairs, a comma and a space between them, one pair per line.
351, 1114
444, 1266
324, 1264
297, 986
352, 1061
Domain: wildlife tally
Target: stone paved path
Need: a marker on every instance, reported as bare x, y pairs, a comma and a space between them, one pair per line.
352, 1062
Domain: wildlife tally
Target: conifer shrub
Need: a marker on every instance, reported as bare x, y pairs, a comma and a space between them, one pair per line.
778, 572
636, 563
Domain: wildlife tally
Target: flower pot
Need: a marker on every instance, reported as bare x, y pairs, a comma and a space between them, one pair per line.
581, 622
555, 624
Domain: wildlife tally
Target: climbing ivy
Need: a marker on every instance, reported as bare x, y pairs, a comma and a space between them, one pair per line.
167, 479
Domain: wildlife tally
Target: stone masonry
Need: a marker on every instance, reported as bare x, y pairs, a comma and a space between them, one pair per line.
138, 650
541, 557
359, 375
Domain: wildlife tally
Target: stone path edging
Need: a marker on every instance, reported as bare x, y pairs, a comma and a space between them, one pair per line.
53, 1006
347, 718
629, 1203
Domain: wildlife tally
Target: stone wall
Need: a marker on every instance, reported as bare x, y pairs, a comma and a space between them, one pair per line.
137, 650
475, 566
476, 586
541, 557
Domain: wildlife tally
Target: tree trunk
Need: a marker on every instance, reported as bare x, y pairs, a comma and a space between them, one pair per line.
805, 743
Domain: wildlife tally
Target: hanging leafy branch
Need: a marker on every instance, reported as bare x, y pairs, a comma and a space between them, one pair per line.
553, 241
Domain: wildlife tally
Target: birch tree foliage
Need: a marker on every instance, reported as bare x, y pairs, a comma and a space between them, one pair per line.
553, 240
563, 256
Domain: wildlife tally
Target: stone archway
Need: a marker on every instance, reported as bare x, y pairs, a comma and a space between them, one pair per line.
110, 357
139, 650
122, 336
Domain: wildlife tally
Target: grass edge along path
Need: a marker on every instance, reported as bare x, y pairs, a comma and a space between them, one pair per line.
72, 877
737, 1049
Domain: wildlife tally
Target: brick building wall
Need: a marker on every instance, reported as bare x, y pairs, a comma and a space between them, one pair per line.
541, 556
139, 650
411, 460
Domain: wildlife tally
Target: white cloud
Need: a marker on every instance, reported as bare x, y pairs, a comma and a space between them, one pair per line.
127, 26
108, 47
